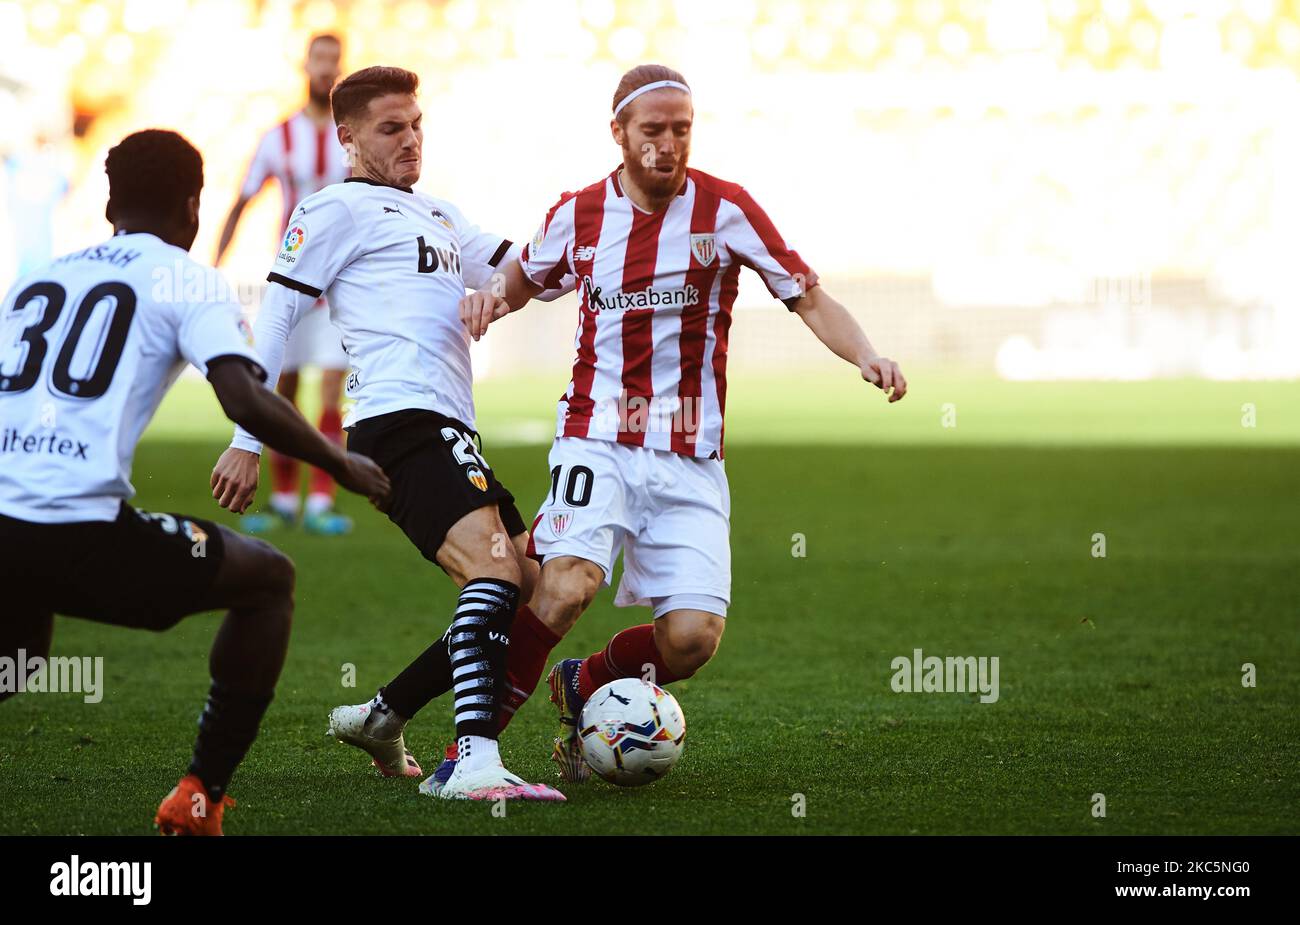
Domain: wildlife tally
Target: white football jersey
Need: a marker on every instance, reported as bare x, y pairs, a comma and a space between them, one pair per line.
89, 344
393, 264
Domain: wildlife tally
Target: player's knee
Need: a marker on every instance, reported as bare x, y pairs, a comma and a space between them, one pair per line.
274, 576
566, 590
687, 649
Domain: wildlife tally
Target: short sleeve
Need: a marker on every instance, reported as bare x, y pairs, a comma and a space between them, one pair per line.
261, 168
545, 259
481, 252
319, 242
212, 330
750, 235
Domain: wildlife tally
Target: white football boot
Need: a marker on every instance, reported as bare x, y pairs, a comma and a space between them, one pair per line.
372, 732
486, 780
492, 782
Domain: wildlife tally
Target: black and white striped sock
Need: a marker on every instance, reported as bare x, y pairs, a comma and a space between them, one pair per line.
478, 643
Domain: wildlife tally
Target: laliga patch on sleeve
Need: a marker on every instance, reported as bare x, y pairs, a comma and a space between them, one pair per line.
538, 239
246, 330
294, 241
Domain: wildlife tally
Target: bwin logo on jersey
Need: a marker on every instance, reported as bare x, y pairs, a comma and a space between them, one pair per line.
433, 259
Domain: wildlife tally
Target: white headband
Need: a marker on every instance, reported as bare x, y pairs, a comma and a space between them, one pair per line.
658, 84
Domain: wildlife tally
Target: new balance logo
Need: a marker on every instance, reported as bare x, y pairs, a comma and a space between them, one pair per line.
433, 259
584, 253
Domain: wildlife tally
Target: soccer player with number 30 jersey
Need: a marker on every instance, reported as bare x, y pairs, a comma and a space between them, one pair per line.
637, 464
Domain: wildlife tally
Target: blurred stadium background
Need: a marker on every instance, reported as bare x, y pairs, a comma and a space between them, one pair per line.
1078, 189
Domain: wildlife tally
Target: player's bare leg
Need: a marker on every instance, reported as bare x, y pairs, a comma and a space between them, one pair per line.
564, 591
319, 516
531, 643
469, 659
255, 581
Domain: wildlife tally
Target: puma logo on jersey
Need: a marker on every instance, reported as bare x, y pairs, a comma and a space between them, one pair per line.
389, 209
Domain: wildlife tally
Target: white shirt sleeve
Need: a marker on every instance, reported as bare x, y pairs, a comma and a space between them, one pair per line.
320, 241
545, 259
207, 331
262, 167
282, 309
748, 233
481, 252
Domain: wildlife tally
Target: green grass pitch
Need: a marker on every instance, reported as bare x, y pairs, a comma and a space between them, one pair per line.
1119, 675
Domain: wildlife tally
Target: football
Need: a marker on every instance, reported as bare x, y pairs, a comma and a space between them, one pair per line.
632, 732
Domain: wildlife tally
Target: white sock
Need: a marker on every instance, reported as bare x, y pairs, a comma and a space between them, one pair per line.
285, 503
474, 752
318, 503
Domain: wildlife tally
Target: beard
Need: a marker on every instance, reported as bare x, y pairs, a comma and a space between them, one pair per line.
394, 175
653, 181
317, 96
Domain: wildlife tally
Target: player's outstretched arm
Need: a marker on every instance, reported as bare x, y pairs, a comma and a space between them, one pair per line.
239, 467
840, 332
510, 290
228, 229
277, 423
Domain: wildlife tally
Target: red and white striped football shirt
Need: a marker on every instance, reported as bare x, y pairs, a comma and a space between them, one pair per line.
656, 292
304, 157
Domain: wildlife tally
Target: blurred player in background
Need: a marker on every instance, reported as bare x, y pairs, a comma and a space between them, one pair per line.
89, 344
636, 466
304, 155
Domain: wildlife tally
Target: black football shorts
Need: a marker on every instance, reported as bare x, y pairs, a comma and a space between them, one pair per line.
143, 570
437, 472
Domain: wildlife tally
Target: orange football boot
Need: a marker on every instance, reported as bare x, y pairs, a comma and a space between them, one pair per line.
186, 810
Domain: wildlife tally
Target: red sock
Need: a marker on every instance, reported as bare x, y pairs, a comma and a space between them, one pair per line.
531, 641
331, 425
625, 657
284, 474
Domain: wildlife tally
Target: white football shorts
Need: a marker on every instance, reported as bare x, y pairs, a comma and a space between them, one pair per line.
315, 342
667, 513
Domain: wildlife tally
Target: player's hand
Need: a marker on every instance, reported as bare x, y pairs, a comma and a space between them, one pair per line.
362, 475
884, 374
480, 309
234, 479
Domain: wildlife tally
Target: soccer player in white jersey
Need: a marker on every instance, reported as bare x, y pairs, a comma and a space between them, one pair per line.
304, 156
395, 264
637, 461
89, 344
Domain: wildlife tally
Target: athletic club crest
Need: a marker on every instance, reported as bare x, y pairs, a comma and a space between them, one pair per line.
560, 521
703, 248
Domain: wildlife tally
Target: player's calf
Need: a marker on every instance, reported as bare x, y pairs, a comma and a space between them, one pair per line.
255, 581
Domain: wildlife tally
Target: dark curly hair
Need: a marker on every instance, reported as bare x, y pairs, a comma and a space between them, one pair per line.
152, 172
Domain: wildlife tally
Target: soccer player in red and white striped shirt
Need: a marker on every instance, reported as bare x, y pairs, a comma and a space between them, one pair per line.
304, 156
636, 466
